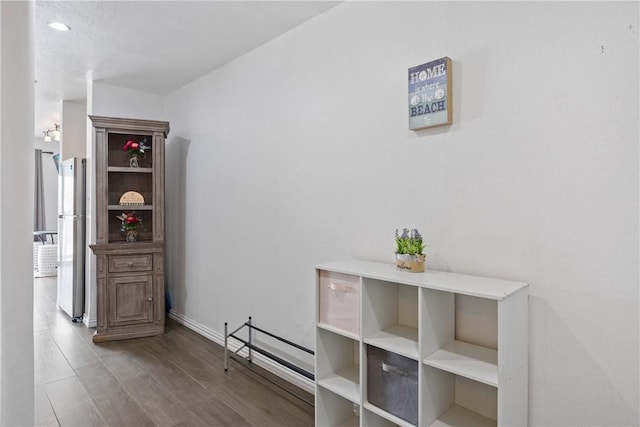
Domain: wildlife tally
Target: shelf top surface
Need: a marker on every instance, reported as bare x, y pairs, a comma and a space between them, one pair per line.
339, 331
471, 361
483, 287
399, 339
129, 169
128, 208
345, 382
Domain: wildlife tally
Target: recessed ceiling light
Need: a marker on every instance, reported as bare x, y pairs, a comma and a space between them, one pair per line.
58, 26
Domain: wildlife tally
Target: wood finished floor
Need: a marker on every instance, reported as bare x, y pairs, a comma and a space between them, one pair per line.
176, 379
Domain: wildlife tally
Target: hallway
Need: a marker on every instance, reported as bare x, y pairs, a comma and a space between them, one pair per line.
176, 379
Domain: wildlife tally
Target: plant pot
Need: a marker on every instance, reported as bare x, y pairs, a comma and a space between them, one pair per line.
412, 263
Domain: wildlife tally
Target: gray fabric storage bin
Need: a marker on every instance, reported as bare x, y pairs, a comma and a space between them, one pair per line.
392, 383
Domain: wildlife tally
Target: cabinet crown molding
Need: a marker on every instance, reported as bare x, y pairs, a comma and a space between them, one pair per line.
125, 124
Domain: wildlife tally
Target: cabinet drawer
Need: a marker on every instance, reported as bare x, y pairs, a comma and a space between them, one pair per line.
128, 263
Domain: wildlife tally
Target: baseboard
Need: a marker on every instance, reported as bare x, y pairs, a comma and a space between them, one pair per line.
89, 323
262, 361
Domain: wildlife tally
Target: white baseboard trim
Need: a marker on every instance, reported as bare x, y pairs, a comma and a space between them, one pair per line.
260, 360
89, 323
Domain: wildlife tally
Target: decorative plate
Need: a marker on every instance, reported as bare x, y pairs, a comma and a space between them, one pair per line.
131, 198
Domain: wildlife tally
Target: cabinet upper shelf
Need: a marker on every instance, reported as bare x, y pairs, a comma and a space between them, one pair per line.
482, 287
129, 169
130, 208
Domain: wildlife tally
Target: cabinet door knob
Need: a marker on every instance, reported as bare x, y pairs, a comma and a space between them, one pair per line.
130, 264
150, 299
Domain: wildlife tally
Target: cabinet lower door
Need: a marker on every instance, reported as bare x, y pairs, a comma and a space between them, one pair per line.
130, 300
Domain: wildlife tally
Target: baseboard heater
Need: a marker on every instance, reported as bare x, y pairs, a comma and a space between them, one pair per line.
250, 345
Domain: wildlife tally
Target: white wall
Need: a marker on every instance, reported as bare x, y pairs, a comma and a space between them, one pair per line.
16, 220
73, 135
49, 182
114, 101
298, 153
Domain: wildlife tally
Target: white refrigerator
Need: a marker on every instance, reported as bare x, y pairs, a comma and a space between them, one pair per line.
71, 237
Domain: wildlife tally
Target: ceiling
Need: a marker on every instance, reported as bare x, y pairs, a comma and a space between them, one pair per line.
151, 46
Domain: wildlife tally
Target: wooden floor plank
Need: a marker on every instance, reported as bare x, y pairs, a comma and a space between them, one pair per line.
119, 409
123, 365
174, 380
269, 405
77, 352
42, 410
162, 406
65, 393
83, 414
214, 412
186, 389
50, 365
98, 380
202, 372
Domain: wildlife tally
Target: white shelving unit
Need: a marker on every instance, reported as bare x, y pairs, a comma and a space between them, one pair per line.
473, 368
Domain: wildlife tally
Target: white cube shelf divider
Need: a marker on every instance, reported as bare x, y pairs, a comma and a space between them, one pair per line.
462, 380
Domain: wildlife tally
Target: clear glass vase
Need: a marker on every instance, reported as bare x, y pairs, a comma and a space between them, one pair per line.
132, 236
133, 161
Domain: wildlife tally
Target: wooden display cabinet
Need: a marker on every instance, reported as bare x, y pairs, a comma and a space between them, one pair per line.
130, 275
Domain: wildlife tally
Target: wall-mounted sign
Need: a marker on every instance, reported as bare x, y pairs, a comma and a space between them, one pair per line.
430, 94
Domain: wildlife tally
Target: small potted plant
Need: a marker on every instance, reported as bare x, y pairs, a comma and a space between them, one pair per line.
409, 251
129, 224
136, 150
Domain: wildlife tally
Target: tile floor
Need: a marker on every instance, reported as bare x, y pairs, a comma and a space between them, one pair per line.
176, 379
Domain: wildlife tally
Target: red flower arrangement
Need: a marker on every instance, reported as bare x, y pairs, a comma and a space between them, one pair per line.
136, 148
129, 221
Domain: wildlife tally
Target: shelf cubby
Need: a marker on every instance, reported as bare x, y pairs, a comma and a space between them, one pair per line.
452, 400
390, 317
119, 158
145, 229
121, 182
333, 410
338, 362
441, 326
